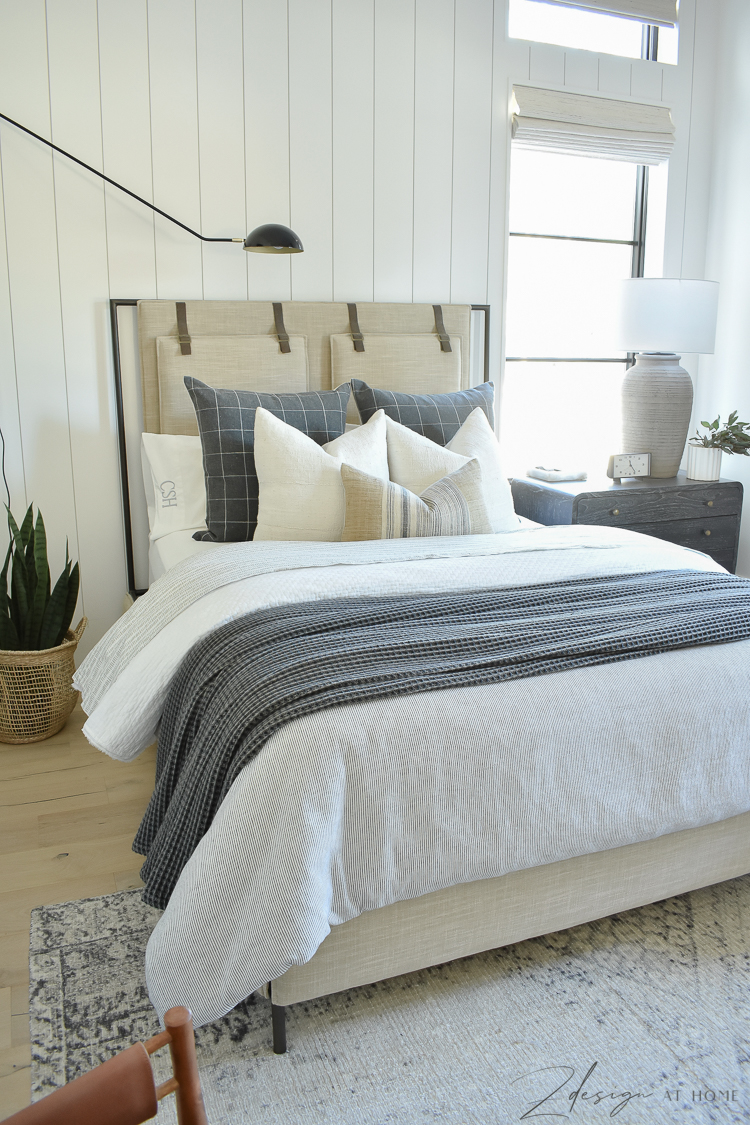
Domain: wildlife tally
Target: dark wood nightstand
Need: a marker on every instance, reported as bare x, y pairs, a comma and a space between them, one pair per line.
704, 515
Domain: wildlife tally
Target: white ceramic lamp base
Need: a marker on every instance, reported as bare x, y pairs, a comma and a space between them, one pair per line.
657, 399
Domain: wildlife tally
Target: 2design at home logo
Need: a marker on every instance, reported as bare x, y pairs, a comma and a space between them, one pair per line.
555, 1091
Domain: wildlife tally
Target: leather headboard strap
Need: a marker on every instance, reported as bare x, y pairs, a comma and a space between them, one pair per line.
281, 332
182, 328
357, 337
444, 338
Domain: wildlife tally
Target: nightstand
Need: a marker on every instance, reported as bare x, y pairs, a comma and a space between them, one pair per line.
704, 515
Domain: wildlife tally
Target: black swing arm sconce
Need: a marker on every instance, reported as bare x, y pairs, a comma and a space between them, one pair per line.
271, 238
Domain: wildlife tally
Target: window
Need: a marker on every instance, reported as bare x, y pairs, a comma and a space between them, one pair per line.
588, 31
576, 228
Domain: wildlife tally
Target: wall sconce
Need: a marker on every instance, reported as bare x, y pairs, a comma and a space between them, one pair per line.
271, 238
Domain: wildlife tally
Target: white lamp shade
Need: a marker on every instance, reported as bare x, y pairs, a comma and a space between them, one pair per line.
664, 314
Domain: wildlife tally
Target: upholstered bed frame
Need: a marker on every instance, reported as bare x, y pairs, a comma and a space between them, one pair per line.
221, 339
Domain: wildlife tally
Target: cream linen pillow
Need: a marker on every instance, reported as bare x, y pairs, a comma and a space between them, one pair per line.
378, 509
300, 491
415, 462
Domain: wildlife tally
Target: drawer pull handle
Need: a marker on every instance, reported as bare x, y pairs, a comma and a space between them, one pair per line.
615, 511
706, 532
710, 503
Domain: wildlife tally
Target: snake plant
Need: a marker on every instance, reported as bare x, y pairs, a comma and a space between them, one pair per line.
32, 616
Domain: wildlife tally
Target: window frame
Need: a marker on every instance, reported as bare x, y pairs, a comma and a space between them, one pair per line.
649, 51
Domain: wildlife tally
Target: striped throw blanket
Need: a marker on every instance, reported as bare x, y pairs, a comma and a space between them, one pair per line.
246, 679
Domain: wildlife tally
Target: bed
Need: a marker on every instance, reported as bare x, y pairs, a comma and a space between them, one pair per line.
446, 882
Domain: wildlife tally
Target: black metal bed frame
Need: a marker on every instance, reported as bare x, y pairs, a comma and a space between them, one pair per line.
118, 302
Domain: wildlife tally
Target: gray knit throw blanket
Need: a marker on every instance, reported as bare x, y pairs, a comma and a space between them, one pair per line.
247, 678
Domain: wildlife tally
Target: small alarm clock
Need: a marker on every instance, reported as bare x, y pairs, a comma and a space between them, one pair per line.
629, 465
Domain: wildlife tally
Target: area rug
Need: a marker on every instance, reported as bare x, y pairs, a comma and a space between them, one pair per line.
642, 1017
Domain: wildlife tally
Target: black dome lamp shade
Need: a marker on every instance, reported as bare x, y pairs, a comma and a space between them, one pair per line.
272, 238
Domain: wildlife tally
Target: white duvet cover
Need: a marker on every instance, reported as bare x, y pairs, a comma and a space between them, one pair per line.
360, 806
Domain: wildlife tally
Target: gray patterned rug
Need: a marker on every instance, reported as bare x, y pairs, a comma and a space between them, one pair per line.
654, 1000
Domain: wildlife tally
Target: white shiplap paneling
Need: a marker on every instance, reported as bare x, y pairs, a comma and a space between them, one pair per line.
547, 64
434, 75
10, 421
82, 250
31, 232
266, 54
352, 106
393, 150
311, 147
174, 145
126, 138
614, 75
645, 80
221, 137
472, 130
581, 70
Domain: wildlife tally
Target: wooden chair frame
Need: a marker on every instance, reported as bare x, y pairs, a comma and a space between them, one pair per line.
122, 1090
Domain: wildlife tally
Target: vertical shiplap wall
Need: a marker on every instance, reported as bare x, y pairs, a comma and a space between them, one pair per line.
378, 129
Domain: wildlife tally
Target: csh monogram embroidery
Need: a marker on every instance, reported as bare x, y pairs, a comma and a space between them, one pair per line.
168, 491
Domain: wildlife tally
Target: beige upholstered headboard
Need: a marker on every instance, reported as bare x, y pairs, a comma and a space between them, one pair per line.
259, 345
236, 344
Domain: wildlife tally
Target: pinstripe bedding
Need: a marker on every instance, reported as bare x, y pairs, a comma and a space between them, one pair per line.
369, 803
250, 677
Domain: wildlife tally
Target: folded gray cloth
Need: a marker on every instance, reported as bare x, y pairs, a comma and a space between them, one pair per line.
247, 678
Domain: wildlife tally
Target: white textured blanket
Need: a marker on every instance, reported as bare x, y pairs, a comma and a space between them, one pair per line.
363, 805
124, 679
194, 577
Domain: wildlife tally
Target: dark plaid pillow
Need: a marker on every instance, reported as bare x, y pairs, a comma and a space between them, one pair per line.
438, 417
226, 423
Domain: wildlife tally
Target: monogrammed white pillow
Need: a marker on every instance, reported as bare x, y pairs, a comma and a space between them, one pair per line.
415, 463
300, 492
175, 485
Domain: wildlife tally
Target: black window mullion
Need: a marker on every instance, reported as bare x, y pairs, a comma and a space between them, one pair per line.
639, 221
573, 238
559, 359
649, 51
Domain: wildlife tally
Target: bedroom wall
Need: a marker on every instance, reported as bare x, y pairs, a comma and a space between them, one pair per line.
378, 129
723, 383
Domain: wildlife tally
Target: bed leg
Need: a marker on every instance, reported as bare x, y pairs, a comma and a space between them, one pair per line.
278, 1023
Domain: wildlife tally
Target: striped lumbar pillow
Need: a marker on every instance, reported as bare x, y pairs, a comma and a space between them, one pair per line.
380, 509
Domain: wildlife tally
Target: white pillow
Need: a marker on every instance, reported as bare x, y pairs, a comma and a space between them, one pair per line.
415, 463
301, 495
175, 485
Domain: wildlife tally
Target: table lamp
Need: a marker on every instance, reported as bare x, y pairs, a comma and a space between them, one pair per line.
659, 317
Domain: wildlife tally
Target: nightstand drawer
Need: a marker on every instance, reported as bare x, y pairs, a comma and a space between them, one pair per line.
622, 508
712, 536
704, 515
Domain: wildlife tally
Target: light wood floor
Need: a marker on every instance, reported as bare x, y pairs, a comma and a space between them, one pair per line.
68, 815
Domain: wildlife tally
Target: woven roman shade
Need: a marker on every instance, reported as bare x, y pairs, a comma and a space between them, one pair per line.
559, 121
661, 12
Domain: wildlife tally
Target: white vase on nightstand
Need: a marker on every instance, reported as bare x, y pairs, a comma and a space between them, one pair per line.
657, 398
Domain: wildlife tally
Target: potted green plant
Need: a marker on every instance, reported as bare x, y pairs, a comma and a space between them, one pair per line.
705, 450
36, 645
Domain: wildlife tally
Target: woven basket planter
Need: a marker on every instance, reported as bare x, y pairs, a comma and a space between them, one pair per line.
36, 690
